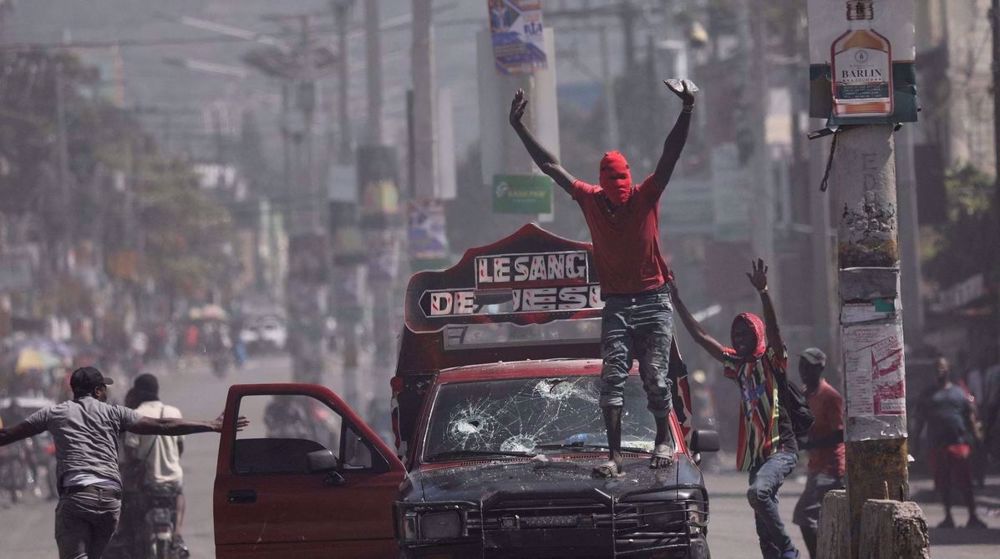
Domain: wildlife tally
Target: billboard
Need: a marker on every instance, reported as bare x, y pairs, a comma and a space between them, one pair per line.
861, 61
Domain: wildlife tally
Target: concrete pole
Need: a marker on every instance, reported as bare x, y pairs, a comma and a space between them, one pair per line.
863, 179
341, 11
373, 69
425, 138
610, 105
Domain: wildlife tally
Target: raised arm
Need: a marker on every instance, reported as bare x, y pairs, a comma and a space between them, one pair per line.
674, 144
759, 280
710, 344
542, 157
174, 427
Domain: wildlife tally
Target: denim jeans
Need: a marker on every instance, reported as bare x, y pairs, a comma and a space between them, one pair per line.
765, 480
637, 327
85, 522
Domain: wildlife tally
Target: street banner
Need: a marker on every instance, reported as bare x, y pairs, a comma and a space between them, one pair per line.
517, 33
861, 55
522, 194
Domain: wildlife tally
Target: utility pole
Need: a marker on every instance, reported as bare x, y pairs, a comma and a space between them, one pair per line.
424, 141
863, 181
341, 11
995, 22
373, 69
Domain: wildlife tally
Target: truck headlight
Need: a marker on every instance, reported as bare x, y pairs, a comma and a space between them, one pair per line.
418, 525
440, 525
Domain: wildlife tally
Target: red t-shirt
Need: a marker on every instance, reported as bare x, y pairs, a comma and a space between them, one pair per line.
626, 239
827, 406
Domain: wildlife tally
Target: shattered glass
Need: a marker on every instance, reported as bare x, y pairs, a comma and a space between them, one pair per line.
517, 415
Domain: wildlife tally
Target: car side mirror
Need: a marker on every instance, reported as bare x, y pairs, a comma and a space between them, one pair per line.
322, 461
704, 441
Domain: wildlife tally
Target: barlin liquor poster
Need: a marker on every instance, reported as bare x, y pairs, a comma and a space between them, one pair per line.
874, 371
862, 61
518, 38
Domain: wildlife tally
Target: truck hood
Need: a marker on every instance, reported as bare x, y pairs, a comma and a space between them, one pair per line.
546, 474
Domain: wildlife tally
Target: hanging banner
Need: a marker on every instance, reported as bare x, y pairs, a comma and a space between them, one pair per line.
861, 55
517, 31
874, 371
522, 194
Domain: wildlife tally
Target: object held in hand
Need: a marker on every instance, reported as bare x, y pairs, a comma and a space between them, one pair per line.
677, 84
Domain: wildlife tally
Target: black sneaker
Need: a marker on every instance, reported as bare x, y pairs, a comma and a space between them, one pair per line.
947, 523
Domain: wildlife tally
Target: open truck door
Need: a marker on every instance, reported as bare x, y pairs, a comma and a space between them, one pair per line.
307, 479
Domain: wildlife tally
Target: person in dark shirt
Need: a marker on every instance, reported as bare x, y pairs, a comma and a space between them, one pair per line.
949, 416
767, 448
637, 320
825, 443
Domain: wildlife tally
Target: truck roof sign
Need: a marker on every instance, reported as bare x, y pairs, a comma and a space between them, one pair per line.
530, 277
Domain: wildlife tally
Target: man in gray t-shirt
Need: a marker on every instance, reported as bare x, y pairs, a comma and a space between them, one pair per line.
85, 430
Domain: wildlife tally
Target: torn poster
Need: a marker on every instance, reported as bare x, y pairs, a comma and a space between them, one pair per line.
874, 371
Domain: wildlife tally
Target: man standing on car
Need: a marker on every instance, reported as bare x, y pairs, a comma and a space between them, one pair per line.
636, 322
767, 448
85, 430
157, 458
948, 414
825, 444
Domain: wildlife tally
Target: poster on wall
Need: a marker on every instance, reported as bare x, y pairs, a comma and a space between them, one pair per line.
874, 371
862, 61
517, 32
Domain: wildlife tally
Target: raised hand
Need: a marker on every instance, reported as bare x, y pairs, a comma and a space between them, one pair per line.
684, 89
759, 276
517, 107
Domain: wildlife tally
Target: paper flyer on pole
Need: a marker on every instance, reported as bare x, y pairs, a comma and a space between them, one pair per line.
874, 371
517, 32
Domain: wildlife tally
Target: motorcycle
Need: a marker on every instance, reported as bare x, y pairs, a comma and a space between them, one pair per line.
160, 518
15, 475
220, 363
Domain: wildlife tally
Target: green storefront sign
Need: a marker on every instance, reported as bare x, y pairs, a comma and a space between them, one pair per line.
522, 194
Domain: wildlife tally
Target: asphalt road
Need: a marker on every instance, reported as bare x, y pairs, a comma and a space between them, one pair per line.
27, 528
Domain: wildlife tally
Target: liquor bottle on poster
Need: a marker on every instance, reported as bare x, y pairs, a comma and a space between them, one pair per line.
862, 66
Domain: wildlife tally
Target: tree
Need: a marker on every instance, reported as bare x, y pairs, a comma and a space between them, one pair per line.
964, 244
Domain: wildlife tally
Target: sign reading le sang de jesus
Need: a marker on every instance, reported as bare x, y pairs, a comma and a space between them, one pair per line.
530, 277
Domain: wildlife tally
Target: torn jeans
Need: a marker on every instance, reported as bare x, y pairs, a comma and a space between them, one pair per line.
638, 327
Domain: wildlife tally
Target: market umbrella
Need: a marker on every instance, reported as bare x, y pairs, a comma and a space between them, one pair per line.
35, 359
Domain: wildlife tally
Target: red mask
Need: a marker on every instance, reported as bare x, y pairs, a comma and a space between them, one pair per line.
755, 330
616, 179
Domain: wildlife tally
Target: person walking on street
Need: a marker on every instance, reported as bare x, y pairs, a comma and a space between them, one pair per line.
636, 321
950, 418
85, 430
825, 444
767, 448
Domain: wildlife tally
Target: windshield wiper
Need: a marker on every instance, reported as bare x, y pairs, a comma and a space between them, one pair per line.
582, 446
463, 453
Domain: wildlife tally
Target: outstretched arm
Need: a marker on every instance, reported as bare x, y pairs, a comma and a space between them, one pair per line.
674, 144
16, 433
174, 427
759, 280
542, 157
710, 344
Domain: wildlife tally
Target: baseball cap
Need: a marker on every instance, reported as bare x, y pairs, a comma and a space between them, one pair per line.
87, 378
815, 356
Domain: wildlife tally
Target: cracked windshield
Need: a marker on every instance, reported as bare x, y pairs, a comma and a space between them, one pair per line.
527, 416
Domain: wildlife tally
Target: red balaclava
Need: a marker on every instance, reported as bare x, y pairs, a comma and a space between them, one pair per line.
757, 328
616, 179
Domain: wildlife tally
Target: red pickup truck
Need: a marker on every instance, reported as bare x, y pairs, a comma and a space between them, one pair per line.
497, 430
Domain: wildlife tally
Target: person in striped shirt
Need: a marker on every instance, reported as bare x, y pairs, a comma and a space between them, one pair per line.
767, 448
